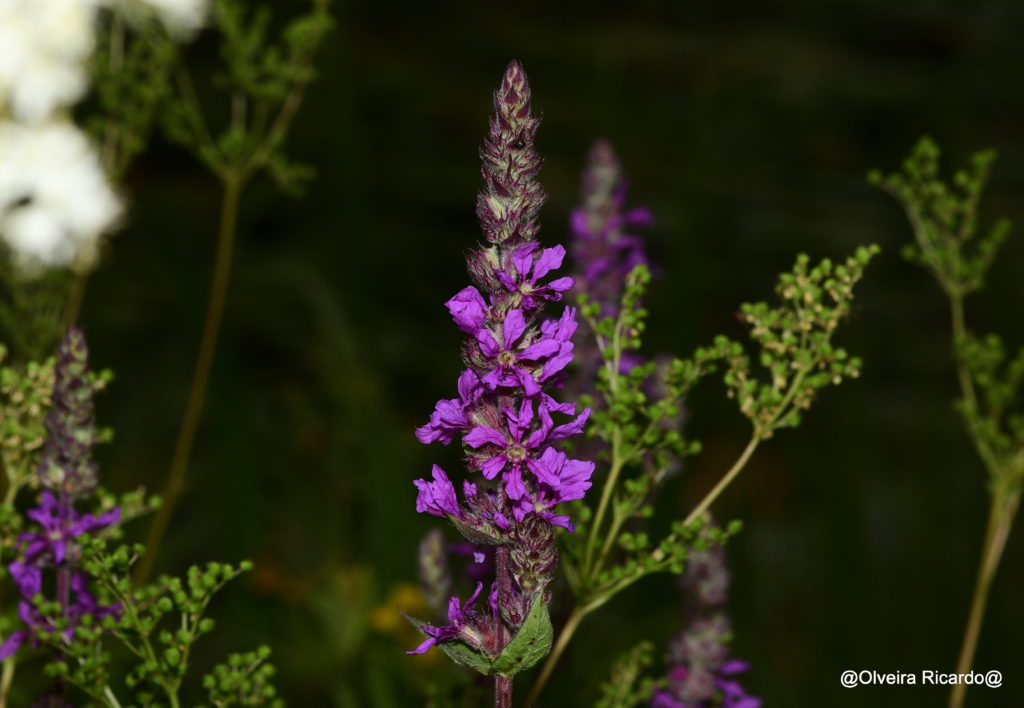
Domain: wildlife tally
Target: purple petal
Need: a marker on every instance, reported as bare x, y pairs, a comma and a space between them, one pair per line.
522, 259
558, 520
28, 578
539, 350
468, 309
549, 259
476, 593
469, 386
529, 384
515, 325
422, 648
546, 467
90, 523
573, 427
578, 224
562, 284
437, 497
481, 435
12, 644
734, 666
514, 486
557, 363
490, 467
507, 280
639, 216
488, 342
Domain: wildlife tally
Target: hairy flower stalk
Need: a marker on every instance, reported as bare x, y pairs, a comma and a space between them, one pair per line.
504, 415
702, 675
68, 474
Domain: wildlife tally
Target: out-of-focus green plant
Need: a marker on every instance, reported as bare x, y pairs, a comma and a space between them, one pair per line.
32, 308
627, 686
72, 571
265, 80
798, 360
158, 624
950, 245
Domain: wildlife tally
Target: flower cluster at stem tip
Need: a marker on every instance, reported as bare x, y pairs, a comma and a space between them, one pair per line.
505, 415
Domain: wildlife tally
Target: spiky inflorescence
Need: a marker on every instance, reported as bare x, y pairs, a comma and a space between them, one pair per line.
504, 414
66, 463
51, 547
508, 204
602, 248
432, 563
701, 674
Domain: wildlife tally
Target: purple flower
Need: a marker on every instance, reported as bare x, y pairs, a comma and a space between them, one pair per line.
526, 271
504, 412
468, 309
511, 363
702, 675
66, 463
509, 451
52, 547
602, 248
603, 252
460, 618
438, 497
61, 524
561, 331
66, 467
449, 417
559, 479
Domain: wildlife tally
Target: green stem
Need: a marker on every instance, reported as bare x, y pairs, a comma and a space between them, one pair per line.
963, 374
6, 678
76, 297
109, 694
725, 481
197, 393
571, 625
1000, 521
590, 568
613, 366
109, 158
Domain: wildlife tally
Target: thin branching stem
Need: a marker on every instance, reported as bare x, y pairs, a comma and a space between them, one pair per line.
175, 483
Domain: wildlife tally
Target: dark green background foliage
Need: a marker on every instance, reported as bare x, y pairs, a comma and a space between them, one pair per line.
748, 128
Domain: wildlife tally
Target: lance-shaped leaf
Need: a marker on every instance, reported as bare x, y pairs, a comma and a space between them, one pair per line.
531, 643
459, 652
474, 536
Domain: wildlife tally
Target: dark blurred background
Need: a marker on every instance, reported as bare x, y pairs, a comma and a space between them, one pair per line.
748, 129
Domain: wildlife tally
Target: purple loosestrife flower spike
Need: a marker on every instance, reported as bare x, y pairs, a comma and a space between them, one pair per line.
508, 205
701, 674
505, 415
66, 463
602, 248
66, 468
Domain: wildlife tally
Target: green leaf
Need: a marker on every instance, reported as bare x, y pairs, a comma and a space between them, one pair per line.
459, 652
531, 643
474, 536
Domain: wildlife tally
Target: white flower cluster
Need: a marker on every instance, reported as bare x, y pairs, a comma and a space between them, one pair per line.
54, 198
55, 201
180, 16
43, 48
